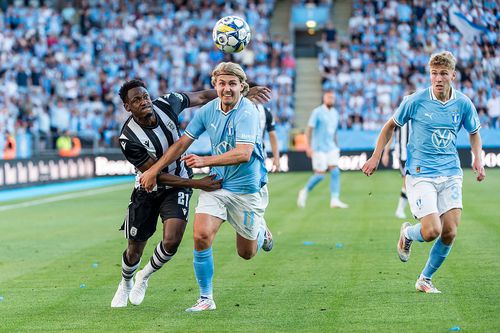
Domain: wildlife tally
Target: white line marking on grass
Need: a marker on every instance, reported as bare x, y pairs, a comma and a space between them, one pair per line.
64, 197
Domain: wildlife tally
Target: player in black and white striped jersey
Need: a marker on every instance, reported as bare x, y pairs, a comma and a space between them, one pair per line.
152, 127
399, 156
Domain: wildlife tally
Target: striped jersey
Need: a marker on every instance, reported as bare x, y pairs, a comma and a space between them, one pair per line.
139, 143
401, 140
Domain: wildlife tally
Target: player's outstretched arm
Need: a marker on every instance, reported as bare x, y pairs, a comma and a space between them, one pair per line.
148, 178
256, 94
207, 183
259, 94
477, 163
385, 135
240, 154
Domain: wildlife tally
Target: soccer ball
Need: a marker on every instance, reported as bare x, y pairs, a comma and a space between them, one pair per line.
231, 34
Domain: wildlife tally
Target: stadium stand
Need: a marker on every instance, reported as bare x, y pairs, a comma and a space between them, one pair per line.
65, 65
388, 46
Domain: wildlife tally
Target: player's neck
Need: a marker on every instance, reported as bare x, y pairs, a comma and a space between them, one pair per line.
147, 121
443, 96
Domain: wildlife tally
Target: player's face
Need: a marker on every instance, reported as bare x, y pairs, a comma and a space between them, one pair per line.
229, 88
441, 78
329, 99
139, 103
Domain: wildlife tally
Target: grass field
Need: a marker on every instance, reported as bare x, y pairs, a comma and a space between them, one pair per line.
330, 270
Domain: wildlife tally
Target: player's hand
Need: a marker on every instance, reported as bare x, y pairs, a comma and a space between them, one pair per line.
478, 168
194, 161
208, 183
276, 164
370, 166
309, 152
148, 179
259, 95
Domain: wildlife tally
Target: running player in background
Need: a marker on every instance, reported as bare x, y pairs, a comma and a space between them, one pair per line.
324, 150
238, 159
433, 173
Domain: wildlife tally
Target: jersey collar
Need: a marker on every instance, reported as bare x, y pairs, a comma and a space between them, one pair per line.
434, 98
219, 106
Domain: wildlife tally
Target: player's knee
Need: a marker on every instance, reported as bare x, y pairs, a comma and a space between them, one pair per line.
431, 233
202, 240
246, 253
448, 236
170, 245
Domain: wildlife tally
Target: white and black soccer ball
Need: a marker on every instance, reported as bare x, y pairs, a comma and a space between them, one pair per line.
231, 34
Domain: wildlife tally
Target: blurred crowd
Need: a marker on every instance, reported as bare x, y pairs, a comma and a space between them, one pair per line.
61, 68
386, 55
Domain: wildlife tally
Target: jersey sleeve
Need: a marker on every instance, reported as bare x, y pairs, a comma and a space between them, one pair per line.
313, 119
177, 102
197, 125
470, 119
134, 152
403, 113
247, 126
270, 123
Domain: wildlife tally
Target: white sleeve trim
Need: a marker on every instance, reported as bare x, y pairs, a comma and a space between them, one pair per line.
190, 135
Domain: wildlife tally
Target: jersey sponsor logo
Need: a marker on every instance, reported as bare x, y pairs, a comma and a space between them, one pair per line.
441, 138
223, 147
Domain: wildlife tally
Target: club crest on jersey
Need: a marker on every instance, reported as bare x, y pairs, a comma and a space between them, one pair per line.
441, 138
230, 131
455, 117
133, 231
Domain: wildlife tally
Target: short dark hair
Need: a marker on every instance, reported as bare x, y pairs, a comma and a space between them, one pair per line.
130, 85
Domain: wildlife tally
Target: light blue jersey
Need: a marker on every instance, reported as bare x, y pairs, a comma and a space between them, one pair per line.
432, 150
240, 125
324, 122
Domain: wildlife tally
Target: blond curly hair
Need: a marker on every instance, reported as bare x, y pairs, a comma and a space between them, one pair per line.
443, 59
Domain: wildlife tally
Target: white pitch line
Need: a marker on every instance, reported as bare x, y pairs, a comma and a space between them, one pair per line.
63, 197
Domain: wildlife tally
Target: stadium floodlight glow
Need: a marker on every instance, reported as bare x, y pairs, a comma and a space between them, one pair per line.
311, 24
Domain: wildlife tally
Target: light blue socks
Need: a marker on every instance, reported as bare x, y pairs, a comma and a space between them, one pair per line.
438, 254
204, 270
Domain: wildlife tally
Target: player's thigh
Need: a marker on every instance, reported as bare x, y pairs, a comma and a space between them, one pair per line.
142, 215
246, 212
450, 195
422, 196
319, 161
332, 158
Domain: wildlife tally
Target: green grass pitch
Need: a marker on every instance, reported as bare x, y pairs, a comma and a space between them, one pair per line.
330, 270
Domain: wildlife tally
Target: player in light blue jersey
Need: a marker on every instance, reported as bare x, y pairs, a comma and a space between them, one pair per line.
322, 134
232, 122
433, 173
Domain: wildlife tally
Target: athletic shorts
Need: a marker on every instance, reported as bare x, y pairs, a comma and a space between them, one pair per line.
433, 195
322, 160
245, 212
144, 209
